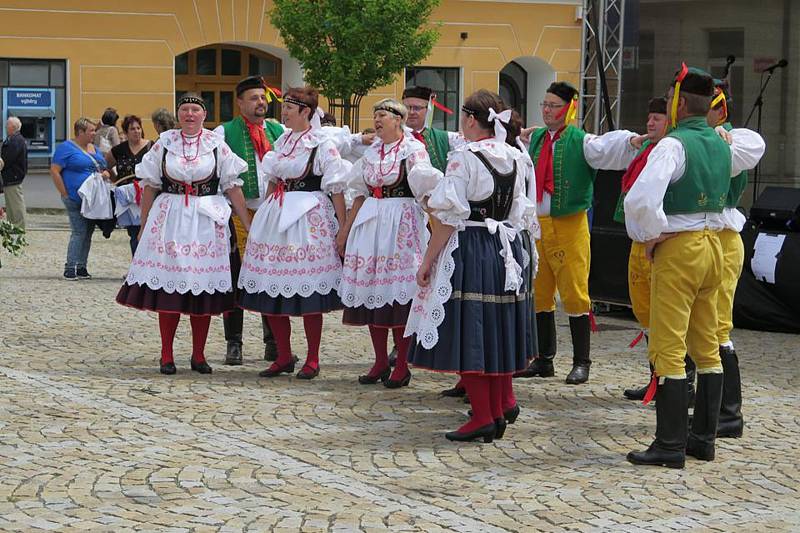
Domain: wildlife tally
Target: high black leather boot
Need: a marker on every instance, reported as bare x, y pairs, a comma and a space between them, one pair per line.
232, 322
542, 366
270, 348
580, 328
669, 447
691, 373
700, 443
731, 423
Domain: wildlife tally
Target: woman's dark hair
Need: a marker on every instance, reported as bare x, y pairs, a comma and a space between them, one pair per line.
128, 121
478, 103
309, 96
110, 117
513, 128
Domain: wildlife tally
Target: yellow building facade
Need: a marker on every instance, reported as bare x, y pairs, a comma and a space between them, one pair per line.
134, 55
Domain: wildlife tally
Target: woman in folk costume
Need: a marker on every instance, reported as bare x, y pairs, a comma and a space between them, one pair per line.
182, 262
471, 314
386, 238
291, 266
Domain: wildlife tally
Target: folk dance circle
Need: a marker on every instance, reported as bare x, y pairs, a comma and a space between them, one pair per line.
442, 239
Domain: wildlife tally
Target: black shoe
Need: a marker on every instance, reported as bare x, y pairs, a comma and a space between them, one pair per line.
202, 368
635, 394
486, 432
393, 357
540, 367
233, 356
703, 433
307, 372
70, 274
366, 379
277, 370
82, 273
669, 447
395, 384
455, 392
731, 422
578, 375
500, 425
511, 414
168, 369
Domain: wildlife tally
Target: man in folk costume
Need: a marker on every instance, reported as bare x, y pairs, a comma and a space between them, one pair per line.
731, 423
639, 266
675, 209
566, 158
249, 136
420, 102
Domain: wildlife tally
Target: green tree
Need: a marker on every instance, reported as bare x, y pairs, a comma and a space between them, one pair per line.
349, 47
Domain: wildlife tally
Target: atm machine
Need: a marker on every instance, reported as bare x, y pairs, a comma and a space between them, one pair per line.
36, 109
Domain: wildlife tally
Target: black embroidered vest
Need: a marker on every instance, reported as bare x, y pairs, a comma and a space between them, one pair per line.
308, 182
400, 188
206, 187
498, 205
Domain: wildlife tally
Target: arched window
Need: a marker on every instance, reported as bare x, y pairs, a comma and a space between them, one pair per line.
514, 88
213, 72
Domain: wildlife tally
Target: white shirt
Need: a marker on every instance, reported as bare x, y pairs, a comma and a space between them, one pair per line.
612, 151
644, 204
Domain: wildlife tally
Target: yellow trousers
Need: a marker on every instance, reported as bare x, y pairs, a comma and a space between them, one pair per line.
564, 258
732, 261
687, 272
241, 233
639, 271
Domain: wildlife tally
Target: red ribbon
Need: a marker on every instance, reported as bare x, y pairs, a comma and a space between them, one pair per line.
137, 197
377, 192
651, 389
440, 107
280, 191
592, 323
187, 190
637, 339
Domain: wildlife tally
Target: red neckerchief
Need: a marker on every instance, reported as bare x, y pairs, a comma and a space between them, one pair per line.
418, 136
258, 138
544, 167
636, 167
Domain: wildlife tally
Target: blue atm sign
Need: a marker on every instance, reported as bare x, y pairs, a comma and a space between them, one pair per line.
28, 98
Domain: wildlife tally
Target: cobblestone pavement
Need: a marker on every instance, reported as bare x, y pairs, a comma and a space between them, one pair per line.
93, 438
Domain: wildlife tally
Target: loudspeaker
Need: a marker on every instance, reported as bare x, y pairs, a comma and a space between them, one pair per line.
777, 207
608, 277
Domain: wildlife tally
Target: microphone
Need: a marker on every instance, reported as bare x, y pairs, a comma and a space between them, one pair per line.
780, 64
730, 60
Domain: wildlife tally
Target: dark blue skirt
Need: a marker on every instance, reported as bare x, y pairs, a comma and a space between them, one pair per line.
486, 330
294, 306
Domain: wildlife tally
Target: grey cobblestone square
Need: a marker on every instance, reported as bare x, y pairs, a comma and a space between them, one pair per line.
92, 437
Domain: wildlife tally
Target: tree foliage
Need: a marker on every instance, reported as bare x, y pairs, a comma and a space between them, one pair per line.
349, 47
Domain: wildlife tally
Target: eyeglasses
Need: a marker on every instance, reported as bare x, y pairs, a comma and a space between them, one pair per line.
548, 105
416, 108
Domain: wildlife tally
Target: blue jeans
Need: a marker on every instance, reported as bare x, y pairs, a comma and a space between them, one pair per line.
80, 240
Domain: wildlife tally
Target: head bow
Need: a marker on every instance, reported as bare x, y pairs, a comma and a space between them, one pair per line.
499, 119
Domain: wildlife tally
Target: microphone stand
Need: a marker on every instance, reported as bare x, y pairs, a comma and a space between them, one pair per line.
758, 104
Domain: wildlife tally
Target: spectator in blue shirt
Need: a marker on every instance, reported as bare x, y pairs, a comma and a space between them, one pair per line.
73, 162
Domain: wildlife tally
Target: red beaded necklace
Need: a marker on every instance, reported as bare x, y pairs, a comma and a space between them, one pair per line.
294, 146
185, 142
396, 150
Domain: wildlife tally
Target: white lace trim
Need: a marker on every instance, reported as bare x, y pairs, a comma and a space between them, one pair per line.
427, 309
291, 286
376, 301
197, 287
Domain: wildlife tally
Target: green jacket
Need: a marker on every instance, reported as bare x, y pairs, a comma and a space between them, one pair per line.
238, 138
